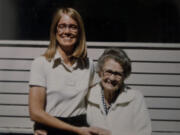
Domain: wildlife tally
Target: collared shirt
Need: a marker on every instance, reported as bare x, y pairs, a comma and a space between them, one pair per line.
128, 115
66, 86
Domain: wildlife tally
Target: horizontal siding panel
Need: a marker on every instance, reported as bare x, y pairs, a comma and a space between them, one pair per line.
15, 64
151, 102
162, 102
154, 55
166, 126
158, 90
134, 45
13, 99
22, 130
12, 87
165, 133
14, 110
14, 76
26, 123
94, 44
20, 52
15, 122
156, 67
164, 114
155, 79
134, 54
133, 79
143, 55
136, 66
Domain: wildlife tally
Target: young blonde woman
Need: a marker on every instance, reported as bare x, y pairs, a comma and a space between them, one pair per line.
60, 78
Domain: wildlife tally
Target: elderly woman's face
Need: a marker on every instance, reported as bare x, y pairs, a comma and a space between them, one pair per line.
67, 31
111, 75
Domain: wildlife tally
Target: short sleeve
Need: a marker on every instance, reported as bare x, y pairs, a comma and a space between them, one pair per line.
37, 73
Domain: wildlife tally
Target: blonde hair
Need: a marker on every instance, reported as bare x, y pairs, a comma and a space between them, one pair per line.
80, 50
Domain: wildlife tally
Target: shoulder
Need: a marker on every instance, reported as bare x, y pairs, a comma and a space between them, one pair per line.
94, 93
39, 63
39, 59
95, 88
133, 94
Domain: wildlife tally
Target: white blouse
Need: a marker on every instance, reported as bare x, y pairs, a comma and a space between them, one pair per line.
66, 87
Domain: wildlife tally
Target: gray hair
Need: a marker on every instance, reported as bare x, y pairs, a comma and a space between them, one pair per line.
119, 56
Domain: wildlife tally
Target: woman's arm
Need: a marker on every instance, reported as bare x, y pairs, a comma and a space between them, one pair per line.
37, 97
142, 119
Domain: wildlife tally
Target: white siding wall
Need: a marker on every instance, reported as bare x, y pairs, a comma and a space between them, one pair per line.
155, 72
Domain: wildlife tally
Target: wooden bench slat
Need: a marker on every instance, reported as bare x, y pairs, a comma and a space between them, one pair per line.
13, 87
143, 55
22, 130
134, 54
15, 64
22, 111
15, 122
162, 102
20, 52
158, 90
152, 102
155, 79
165, 126
156, 73
26, 123
165, 133
143, 67
156, 67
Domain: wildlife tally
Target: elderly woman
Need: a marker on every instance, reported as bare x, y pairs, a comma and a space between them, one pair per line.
111, 104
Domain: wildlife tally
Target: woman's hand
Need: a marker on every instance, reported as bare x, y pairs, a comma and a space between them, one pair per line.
81, 131
100, 131
93, 131
40, 132
86, 131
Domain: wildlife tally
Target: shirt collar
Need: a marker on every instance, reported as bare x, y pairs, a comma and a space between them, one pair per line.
95, 96
57, 60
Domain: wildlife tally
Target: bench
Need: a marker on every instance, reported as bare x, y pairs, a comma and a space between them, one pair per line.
155, 72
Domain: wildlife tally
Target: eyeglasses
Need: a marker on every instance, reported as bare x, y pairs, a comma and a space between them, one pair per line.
109, 73
71, 27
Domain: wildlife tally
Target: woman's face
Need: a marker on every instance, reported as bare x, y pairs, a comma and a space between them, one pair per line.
67, 32
111, 75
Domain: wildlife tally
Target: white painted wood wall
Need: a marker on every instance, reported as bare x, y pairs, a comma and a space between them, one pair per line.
155, 71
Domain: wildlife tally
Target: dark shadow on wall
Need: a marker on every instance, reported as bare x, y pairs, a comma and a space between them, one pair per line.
115, 20
155, 21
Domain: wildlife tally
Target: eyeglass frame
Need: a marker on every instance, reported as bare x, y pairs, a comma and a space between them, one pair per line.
108, 72
71, 27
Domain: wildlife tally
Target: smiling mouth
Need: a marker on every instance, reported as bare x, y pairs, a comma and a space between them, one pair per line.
112, 83
67, 37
